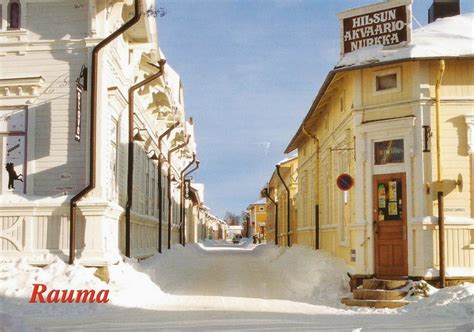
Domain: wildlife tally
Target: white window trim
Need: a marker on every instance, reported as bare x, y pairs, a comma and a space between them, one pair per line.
397, 71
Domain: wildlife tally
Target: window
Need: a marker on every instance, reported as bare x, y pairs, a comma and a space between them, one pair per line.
261, 208
387, 81
14, 14
13, 147
147, 185
114, 138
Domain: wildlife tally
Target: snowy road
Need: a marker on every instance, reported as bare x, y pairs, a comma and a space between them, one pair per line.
220, 286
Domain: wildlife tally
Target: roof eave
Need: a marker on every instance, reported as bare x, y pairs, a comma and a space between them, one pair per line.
292, 146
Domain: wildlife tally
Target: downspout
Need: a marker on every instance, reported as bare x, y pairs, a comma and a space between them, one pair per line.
181, 199
160, 185
267, 194
287, 206
131, 108
171, 151
442, 267
316, 207
184, 211
94, 67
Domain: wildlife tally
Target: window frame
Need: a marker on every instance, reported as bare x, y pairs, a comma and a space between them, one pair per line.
9, 11
386, 72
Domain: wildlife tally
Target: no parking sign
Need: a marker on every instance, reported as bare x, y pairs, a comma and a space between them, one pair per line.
344, 181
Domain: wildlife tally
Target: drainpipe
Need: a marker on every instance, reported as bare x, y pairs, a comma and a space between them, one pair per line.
287, 206
160, 185
181, 199
184, 212
267, 194
131, 107
442, 267
316, 219
169, 186
94, 68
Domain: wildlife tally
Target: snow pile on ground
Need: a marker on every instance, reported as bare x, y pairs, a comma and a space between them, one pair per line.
307, 275
456, 301
446, 37
127, 287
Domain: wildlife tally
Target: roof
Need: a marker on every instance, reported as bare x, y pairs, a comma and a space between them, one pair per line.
446, 37
450, 37
259, 202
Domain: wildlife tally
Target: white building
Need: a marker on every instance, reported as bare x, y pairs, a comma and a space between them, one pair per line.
64, 124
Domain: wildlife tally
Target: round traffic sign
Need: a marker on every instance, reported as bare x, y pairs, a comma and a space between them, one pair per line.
344, 181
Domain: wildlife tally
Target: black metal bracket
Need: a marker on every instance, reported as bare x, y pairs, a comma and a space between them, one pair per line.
427, 134
83, 75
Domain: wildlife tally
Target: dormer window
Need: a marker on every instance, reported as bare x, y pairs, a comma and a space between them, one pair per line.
14, 14
387, 81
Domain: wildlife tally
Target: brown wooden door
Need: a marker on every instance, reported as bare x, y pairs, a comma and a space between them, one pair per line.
390, 231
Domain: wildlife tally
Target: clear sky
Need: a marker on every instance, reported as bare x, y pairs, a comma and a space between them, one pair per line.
250, 70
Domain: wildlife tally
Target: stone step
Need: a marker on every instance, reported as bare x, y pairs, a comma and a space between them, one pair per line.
383, 284
377, 294
378, 304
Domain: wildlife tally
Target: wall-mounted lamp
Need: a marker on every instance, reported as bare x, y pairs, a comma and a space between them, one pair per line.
152, 155
137, 137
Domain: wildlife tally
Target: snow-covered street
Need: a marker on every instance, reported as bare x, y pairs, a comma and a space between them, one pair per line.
220, 286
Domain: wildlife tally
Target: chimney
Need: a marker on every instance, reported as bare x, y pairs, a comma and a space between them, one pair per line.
443, 8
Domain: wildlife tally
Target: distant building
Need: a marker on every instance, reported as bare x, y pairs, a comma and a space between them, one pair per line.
257, 217
234, 230
276, 196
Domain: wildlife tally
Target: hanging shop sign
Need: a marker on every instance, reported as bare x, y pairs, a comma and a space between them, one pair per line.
388, 152
380, 24
344, 181
187, 188
79, 91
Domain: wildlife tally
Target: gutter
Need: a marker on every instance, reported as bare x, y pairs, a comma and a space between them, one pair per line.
291, 146
160, 185
287, 206
181, 199
184, 211
318, 158
169, 186
131, 110
442, 263
92, 160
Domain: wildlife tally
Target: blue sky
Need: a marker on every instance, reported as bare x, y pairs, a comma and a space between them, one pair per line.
250, 70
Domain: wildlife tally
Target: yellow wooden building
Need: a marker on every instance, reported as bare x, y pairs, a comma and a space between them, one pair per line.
276, 195
257, 219
375, 119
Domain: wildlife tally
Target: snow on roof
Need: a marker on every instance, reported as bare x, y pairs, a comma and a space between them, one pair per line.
260, 202
288, 159
173, 80
199, 187
446, 37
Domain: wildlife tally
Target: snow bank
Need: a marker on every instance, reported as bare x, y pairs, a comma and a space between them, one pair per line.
457, 301
127, 287
307, 275
446, 37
